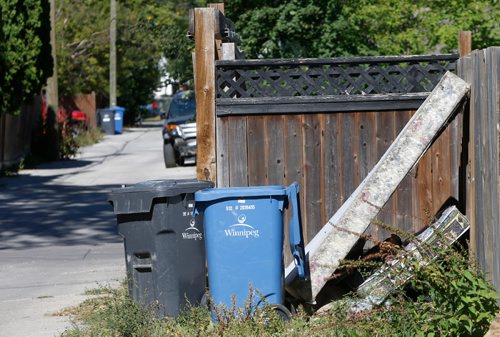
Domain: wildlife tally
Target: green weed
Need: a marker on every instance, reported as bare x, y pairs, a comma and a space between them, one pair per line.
87, 137
447, 297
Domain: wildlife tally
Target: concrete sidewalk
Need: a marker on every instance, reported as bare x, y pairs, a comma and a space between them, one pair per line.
58, 235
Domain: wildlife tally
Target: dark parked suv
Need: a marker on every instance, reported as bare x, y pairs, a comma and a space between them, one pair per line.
179, 130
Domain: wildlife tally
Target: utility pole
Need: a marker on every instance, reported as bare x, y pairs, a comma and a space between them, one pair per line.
52, 94
112, 55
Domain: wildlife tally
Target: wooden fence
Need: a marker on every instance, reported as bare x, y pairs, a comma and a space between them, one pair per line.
272, 131
85, 103
482, 70
326, 122
16, 132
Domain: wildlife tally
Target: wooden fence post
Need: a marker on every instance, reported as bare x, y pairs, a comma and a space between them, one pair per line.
92, 117
464, 43
218, 37
481, 69
465, 71
205, 92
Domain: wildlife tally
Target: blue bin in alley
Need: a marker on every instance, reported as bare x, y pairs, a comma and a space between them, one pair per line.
244, 242
119, 113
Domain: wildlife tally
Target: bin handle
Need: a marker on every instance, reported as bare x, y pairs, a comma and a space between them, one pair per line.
295, 232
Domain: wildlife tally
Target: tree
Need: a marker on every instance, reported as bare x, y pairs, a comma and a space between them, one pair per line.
147, 31
83, 47
171, 29
430, 26
138, 55
322, 28
25, 58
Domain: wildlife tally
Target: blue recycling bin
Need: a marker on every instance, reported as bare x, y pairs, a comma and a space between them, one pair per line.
119, 114
244, 242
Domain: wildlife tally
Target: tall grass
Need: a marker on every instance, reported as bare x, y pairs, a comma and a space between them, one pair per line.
449, 297
87, 137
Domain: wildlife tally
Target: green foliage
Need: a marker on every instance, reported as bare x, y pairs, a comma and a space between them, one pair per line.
402, 27
171, 27
88, 136
454, 298
320, 28
25, 58
74, 136
448, 297
277, 28
113, 314
82, 47
147, 31
138, 55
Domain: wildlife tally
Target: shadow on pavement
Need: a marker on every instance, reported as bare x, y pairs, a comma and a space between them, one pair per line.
35, 213
64, 164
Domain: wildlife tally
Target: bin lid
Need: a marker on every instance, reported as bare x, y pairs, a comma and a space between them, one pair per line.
211, 194
139, 198
116, 108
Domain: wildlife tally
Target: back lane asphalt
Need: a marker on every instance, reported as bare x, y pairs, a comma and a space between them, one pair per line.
58, 235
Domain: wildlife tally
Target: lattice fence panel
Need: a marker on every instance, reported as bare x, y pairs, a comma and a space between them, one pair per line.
316, 77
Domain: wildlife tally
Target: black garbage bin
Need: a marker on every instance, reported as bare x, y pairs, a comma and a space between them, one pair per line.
164, 243
106, 120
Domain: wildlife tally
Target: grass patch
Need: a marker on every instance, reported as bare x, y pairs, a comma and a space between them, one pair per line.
87, 137
102, 290
449, 297
153, 119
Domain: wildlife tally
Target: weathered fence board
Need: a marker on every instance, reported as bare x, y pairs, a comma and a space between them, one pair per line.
222, 152
317, 104
238, 152
311, 188
403, 207
481, 69
276, 152
386, 133
331, 143
257, 152
16, 131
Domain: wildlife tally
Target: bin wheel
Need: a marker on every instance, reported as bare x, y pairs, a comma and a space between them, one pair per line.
169, 155
282, 312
